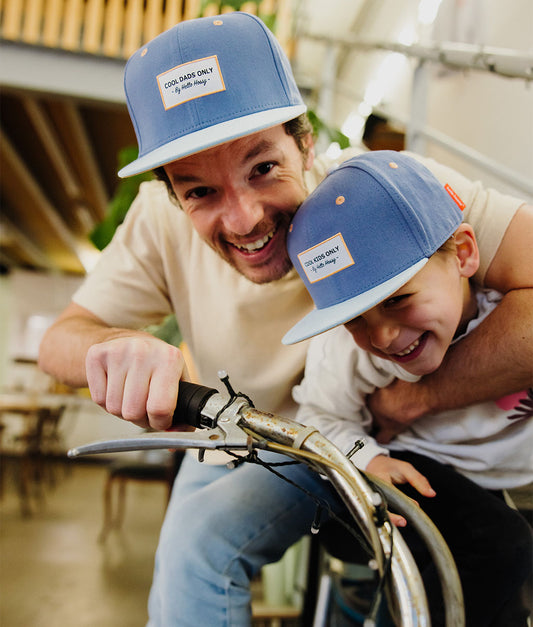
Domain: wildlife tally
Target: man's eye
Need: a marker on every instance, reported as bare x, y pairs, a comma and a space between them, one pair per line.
262, 169
198, 192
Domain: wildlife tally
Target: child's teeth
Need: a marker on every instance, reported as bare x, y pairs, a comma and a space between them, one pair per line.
409, 349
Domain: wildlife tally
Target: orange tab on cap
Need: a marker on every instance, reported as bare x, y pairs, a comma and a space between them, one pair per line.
455, 197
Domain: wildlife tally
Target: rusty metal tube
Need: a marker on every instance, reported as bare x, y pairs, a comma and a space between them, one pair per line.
357, 495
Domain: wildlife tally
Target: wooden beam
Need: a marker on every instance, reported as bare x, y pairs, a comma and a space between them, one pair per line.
12, 237
79, 147
54, 149
51, 71
33, 208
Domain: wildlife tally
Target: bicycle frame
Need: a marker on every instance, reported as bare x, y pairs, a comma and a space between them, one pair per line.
237, 425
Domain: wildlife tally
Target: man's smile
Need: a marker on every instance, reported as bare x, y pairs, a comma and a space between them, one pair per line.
257, 244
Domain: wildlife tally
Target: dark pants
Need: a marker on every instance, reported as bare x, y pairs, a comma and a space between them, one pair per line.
491, 544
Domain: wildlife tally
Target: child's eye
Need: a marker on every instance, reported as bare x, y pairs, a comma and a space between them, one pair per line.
395, 300
355, 324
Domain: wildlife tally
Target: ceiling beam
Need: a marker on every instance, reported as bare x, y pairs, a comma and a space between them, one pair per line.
59, 72
24, 192
54, 149
12, 237
79, 147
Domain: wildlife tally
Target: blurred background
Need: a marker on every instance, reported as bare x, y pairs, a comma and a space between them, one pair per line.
447, 78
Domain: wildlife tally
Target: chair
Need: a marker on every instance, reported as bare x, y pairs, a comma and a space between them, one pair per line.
144, 469
40, 443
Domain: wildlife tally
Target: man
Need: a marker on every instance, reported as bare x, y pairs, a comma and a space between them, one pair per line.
214, 104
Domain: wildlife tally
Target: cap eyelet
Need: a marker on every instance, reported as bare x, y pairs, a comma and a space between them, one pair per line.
393, 165
144, 52
339, 200
218, 22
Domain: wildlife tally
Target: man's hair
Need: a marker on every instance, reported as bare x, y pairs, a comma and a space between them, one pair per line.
299, 128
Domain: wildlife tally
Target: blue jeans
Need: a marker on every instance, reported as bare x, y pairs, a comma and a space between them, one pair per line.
221, 527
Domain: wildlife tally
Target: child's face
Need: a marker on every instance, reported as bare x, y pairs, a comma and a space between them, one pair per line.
414, 326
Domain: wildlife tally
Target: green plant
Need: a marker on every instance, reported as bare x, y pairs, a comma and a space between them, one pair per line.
118, 207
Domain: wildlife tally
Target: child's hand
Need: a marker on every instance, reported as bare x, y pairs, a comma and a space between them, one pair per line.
397, 472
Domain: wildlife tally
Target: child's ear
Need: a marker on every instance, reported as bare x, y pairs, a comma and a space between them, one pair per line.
467, 250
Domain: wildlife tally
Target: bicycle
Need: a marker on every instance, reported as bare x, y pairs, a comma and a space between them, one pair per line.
234, 424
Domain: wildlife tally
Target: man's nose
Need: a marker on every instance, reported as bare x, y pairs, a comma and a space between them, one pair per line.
242, 212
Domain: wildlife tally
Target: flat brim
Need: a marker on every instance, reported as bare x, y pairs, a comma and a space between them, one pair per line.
321, 320
210, 137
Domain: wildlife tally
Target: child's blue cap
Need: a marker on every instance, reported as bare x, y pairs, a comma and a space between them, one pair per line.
365, 231
205, 82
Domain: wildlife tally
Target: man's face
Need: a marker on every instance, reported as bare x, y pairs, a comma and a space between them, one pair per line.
241, 196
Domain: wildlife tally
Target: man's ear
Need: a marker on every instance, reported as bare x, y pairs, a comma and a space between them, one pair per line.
309, 151
467, 250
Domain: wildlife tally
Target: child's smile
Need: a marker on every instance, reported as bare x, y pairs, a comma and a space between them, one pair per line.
415, 326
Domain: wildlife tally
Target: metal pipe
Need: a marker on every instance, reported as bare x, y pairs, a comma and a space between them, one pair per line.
357, 496
500, 61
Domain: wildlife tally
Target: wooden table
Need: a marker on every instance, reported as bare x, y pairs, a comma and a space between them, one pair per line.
41, 414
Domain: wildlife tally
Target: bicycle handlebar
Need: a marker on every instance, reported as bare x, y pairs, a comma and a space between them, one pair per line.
192, 399
236, 424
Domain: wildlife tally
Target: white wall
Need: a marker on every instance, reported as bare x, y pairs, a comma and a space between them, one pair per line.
491, 114
29, 302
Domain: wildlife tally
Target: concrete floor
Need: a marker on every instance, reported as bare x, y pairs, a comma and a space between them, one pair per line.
53, 570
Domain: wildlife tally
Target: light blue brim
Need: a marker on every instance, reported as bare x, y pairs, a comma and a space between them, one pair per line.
210, 137
321, 320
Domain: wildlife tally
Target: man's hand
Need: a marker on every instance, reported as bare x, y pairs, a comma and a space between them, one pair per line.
130, 373
135, 378
395, 407
397, 472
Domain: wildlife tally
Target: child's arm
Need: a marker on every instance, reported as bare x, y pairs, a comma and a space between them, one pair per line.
338, 376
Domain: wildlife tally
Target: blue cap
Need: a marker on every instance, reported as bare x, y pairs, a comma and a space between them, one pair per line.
205, 82
365, 231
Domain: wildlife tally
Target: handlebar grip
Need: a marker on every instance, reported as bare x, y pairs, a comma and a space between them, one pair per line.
191, 400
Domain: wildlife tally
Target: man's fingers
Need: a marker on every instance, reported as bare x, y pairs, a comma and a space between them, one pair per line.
163, 391
96, 380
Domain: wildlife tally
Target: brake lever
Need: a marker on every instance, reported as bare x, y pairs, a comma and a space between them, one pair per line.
227, 436
220, 415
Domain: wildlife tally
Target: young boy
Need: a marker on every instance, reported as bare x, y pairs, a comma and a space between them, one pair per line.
383, 251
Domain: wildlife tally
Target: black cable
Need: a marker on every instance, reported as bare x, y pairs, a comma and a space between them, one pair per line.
253, 458
322, 504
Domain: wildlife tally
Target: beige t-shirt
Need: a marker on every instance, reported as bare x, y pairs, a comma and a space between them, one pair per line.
157, 264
